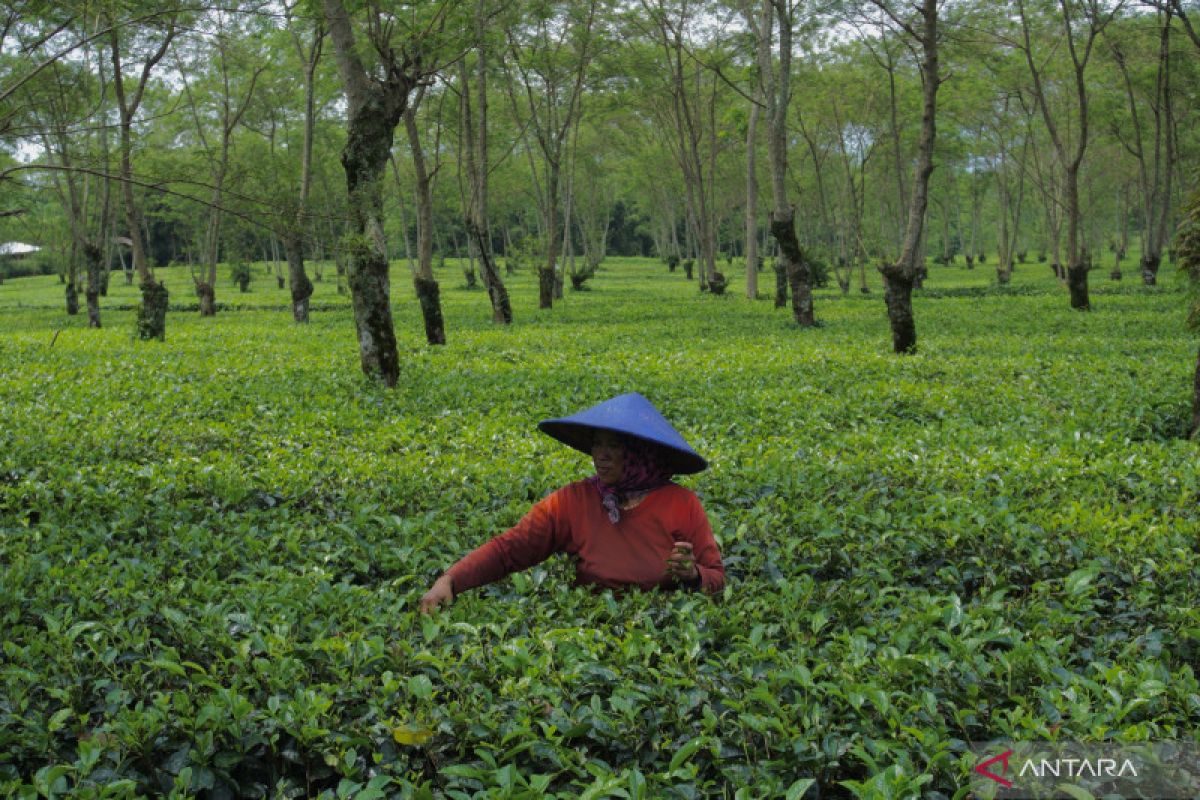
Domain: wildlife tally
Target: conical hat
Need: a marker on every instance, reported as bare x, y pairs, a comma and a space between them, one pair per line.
630, 414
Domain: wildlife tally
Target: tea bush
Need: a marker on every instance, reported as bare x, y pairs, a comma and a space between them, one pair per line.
213, 547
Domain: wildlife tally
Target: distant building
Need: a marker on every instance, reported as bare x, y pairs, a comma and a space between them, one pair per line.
17, 249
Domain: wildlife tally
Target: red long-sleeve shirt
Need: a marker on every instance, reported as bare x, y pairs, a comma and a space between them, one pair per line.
632, 551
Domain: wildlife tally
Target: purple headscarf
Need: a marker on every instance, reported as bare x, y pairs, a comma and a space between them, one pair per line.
643, 472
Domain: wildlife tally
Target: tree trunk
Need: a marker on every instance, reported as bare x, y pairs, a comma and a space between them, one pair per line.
1155, 197
478, 227
424, 282
292, 235
93, 290
151, 320
1004, 254
795, 267
897, 293
208, 298
1079, 264
301, 286
546, 277
431, 309
899, 276
777, 91
752, 205
1078, 261
152, 313
374, 109
896, 150
976, 212
69, 276
1195, 431
206, 289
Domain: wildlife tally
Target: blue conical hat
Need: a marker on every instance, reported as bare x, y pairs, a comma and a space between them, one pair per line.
630, 414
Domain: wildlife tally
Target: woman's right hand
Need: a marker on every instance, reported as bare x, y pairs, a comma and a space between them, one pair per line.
442, 591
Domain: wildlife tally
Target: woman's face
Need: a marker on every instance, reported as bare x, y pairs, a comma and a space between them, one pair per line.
608, 454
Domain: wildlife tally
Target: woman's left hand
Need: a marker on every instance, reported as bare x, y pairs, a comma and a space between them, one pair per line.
681, 564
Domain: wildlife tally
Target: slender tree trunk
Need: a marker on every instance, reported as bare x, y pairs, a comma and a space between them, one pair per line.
152, 314
546, 274
752, 204
1074, 35
1078, 265
93, 256
568, 240
1195, 429
428, 292
402, 207
206, 288
72, 288
293, 234
1003, 257
230, 116
976, 213
298, 280
778, 93
1158, 208
898, 161
899, 276
423, 196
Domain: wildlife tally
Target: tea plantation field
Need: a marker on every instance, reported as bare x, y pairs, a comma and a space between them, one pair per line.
212, 548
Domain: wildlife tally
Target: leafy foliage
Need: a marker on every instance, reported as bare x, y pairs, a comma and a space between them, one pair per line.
212, 562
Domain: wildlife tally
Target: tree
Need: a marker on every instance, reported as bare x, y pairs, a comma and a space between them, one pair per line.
690, 117
221, 104
777, 92
550, 53
309, 53
1188, 246
376, 100
752, 259
474, 137
1082, 22
1153, 149
900, 275
155, 40
60, 100
435, 331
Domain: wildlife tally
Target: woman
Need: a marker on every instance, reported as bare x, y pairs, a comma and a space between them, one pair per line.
627, 525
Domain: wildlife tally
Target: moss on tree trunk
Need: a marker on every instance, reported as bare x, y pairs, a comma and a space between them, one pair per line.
1077, 283
501, 306
799, 276
1150, 265
151, 320
93, 307
93, 258
302, 287
365, 157
897, 293
431, 309
370, 290
545, 287
208, 299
